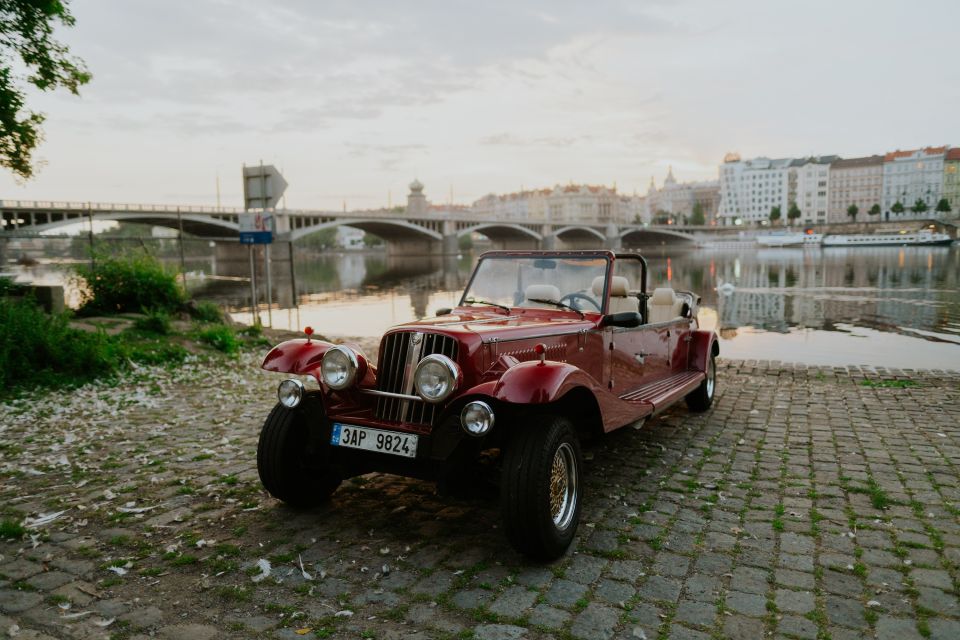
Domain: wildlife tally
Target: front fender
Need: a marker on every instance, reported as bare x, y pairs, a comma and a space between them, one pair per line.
533, 382
299, 356
702, 346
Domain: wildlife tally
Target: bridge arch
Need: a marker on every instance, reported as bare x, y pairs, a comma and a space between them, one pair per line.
194, 223
579, 230
647, 235
386, 228
498, 230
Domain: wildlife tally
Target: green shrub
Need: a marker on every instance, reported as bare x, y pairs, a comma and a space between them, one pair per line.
130, 282
207, 312
40, 349
11, 529
220, 337
156, 321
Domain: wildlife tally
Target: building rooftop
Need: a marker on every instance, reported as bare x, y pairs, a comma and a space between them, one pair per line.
852, 163
930, 151
953, 154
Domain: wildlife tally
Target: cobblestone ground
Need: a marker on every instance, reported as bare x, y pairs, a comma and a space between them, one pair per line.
809, 503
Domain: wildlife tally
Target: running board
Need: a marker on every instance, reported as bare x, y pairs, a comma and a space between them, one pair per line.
663, 393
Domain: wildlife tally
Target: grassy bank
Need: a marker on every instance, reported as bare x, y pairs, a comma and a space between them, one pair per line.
134, 312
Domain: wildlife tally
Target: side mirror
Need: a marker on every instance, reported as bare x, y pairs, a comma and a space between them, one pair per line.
625, 320
442, 311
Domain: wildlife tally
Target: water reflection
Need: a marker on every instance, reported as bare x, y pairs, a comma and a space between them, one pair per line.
880, 306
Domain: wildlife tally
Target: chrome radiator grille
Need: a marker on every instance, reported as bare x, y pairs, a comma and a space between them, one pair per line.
399, 355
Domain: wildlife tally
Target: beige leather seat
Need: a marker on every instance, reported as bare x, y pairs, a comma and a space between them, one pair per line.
620, 298
663, 305
542, 292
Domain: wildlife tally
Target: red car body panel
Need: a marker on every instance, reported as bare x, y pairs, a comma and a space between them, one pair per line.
498, 361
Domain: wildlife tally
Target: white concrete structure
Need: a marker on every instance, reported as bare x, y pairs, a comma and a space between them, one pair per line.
750, 188
808, 185
909, 176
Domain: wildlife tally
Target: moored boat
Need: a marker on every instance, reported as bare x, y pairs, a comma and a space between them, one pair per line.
798, 239
923, 237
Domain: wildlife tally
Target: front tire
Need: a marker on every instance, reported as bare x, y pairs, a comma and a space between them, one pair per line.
701, 398
287, 469
542, 488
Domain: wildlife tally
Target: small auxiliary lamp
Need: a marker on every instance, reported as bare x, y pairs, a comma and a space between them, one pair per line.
309, 332
541, 350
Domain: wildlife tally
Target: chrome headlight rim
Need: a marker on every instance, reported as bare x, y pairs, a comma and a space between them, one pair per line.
485, 408
290, 393
453, 373
353, 364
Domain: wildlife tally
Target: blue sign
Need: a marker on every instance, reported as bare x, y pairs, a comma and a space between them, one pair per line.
256, 237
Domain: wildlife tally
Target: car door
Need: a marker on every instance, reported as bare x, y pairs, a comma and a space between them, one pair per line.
639, 357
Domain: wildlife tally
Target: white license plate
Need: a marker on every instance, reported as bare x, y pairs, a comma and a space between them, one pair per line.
399, 444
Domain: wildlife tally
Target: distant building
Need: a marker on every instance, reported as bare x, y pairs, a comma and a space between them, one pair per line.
951, 180
913, 175
564, 204
416, 201
856, 181
749, 189
808, 186
678, 199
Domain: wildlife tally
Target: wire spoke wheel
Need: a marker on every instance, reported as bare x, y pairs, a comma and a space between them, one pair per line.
563, 486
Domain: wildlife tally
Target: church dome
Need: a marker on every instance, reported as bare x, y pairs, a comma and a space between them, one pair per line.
416, 186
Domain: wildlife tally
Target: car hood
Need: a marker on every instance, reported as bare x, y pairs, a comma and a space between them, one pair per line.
502, 326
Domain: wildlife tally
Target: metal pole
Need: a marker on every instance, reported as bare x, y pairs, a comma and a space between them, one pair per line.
93, 262
293, 279
183, 266
266, 262
254, 308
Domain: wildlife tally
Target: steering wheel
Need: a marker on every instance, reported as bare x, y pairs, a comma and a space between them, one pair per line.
579, 296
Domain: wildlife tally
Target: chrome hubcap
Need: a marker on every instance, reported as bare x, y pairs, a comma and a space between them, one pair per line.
711, 377
563, 486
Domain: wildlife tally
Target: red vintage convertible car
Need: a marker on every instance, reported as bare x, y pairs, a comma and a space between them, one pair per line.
545, 348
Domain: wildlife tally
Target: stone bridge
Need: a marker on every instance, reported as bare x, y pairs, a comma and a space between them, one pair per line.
430, 233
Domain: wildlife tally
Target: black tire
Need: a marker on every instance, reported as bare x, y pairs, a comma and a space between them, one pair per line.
287, 470
701, 398
538, 522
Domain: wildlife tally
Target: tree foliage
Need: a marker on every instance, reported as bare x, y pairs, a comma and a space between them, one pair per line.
794, 212
897, 207
774, 214
944, 206
852, 211
26, 32
697, 217
874, 210
919, 206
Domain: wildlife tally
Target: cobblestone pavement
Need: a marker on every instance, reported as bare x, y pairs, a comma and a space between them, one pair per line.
808, 503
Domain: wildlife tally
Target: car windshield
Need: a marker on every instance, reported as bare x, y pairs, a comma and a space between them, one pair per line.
548, 282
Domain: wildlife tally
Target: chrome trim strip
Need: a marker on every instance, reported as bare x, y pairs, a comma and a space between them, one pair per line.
388, 394
487, 321
414, 350
537, 337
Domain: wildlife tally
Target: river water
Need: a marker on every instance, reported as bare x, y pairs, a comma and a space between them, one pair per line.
893, 307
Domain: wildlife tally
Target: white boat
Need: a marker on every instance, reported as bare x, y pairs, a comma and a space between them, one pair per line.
798, 239
923, 237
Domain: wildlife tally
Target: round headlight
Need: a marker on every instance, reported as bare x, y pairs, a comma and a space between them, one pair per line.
436, 378
290, 393
477, 418
339, 367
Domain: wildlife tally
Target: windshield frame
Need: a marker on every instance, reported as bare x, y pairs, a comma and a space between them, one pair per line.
607, 256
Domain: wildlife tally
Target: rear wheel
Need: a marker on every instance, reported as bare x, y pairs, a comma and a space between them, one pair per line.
288, 469
701, 398
541, 488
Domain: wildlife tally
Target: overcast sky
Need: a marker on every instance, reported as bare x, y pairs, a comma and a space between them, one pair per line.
354, 99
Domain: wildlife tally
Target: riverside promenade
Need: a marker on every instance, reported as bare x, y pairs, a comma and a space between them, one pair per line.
808, 503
